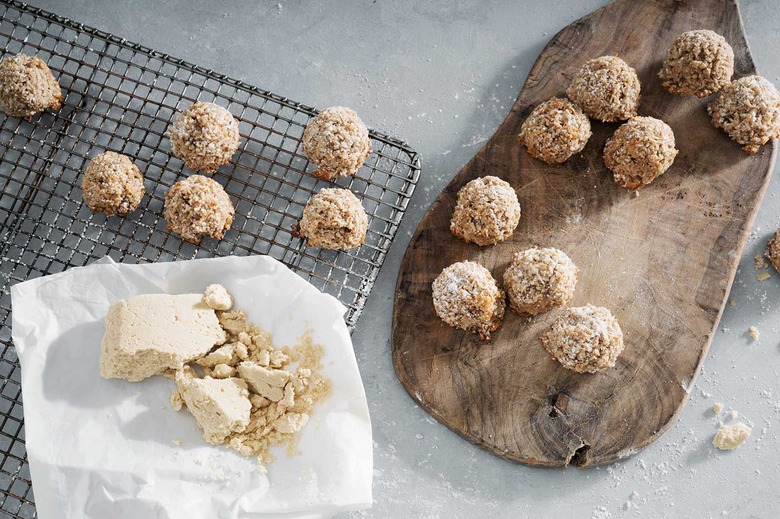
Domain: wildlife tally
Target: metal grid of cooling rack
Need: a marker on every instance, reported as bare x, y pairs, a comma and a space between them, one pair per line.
121, 96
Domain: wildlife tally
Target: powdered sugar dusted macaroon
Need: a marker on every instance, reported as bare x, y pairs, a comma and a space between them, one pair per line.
487, 211
773, 250
27, 86
197, 207
640, 151
606, 89
336, 141
334, 219
698, 63
749, 111
466, 296
585, 339
540, 279
112, 184
205, 136
555, 130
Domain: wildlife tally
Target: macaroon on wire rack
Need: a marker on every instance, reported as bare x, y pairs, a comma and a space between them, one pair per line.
121, 96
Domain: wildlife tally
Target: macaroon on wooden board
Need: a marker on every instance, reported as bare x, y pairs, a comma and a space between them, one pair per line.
663, 261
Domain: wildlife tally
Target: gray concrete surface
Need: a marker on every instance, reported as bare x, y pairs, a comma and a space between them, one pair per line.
442, 75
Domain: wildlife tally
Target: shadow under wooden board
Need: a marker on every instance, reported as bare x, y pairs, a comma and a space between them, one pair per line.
663, 261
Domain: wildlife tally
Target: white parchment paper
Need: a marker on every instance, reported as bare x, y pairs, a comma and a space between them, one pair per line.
101, 449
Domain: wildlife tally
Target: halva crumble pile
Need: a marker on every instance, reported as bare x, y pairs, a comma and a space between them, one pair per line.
242, 391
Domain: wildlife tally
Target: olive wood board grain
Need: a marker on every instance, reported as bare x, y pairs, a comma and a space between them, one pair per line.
663, 261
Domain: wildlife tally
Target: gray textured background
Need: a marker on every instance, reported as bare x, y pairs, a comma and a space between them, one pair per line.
442, 75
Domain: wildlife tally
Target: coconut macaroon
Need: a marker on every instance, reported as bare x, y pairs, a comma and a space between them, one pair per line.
487, 211
197, 207
538, 280
334, 219
585, 339
112, 184
205, 136
555, 130
640, 151
749, 111
466, 296
606, 89
336, 141
773, 250
27, 86
698, 63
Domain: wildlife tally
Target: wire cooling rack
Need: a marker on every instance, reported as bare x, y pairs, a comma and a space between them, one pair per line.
121, 96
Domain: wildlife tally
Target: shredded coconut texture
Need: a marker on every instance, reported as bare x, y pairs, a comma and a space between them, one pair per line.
773, 250
640, 151
749, 111
197, 207
27, 86
112, 184
606, 89
337, 142
731, 436
487, 211
585, 339
540, 279
466, 296
334, 219
555, 130
698, 63
205, 136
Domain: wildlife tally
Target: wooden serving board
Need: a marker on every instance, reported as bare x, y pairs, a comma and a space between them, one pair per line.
663, 261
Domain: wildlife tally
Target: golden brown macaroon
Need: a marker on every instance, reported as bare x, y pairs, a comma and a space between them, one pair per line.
466, 296
698, 63
27, 86
555, 130
640, 151
197, 207
749, 111
773, 251
337, 142
585, 339
539, 279
606, 88
112, 184
205, 136
487, 211
334, 219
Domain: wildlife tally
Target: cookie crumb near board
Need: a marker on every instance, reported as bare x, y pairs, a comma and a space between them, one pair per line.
731, 436
753, 332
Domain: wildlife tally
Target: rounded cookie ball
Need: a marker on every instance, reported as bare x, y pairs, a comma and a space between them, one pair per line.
640, 151
540, 279
466, 296
606, 89
334, 219
749, 111
773, 250
112, 184
205, 136
555, 130
336, 141
197, 207
487, 211
698, 63
27, 86
585, 339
